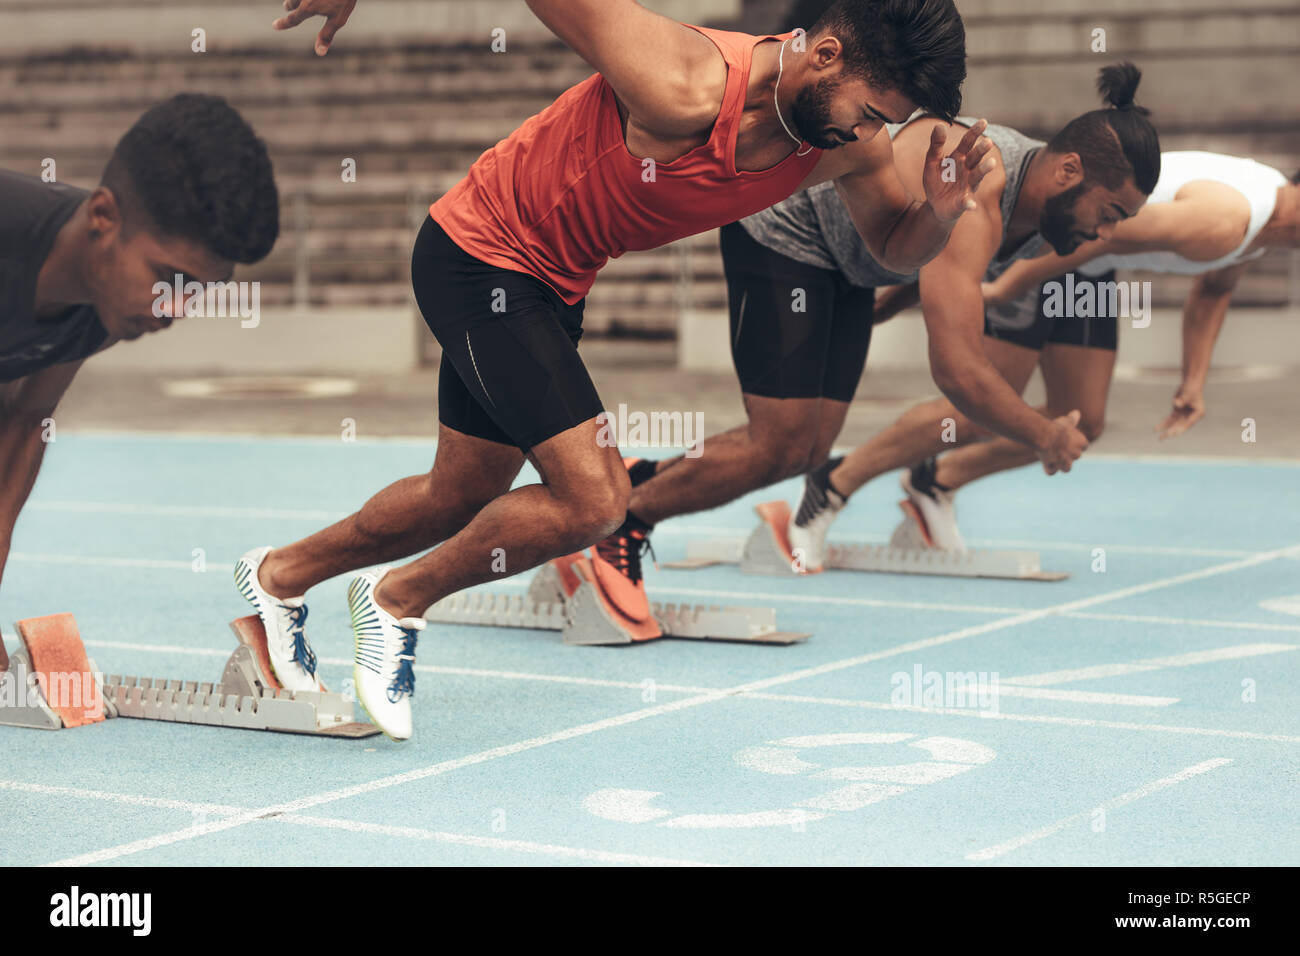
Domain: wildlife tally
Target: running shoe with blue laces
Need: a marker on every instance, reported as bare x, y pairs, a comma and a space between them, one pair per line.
285, 619
385, 657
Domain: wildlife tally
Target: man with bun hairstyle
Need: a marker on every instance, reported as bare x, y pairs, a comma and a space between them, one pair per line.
1210, 216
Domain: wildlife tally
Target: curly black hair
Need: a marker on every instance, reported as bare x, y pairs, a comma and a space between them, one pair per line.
197, 169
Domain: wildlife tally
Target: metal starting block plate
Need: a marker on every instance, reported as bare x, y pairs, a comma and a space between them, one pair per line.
883, 558
583, 621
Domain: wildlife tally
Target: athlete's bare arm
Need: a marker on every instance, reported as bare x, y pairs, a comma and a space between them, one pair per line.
1203, 314
669, 77
953, 307
1205, 221
901, 231
1028, 274
25, 404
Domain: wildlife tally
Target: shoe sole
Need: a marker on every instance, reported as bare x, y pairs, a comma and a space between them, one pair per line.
356, 682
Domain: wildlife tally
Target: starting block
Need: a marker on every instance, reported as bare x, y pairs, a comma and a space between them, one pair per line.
52, 660
574, 608
767, 551
50, 656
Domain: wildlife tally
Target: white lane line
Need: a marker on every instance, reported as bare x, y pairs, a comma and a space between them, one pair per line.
424, 668
1004, 688
1148, 664
157, 803
1191, 552
186, 511
199, 436
841, 601
1184, 621
972, 713
1283, 605
738, 535
1205, 766
1007, 689
412, 833
490, 843
32, 558
155, 648
621, 720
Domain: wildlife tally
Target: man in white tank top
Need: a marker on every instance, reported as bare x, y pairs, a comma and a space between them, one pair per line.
1209, 216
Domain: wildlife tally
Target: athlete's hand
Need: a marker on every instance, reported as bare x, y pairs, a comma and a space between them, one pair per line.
950, 181
1065, 446
1189, 408
335, 12
994, 293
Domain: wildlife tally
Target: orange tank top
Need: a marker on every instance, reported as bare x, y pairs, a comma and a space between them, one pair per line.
562, 195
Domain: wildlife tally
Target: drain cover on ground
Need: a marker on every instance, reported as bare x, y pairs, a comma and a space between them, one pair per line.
260, 386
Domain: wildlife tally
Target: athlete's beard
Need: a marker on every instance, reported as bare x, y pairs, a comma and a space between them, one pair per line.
1057, 224
811, 113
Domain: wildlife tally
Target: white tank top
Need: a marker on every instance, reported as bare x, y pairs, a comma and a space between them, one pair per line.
1257, 182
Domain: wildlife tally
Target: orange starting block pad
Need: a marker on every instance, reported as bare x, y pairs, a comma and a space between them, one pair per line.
564, 596
767, 551
49, 682
52, 660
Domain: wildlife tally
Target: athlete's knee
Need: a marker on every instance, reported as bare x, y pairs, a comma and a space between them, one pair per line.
786, 452
1091, 423
1092, 426
595, 509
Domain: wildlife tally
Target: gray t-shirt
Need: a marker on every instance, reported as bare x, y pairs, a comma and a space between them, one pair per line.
31, 214
814, 226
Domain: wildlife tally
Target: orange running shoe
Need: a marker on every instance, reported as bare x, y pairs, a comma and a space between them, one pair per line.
617, 562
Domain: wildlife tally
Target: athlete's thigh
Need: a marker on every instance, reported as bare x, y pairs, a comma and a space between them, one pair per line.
781, 312
510, 366
577, 464
1014, 362
781, 419
1079, 377
849, 341
1079, 355
482, 469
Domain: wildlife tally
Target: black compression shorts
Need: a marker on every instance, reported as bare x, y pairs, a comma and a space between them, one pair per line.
1026, 321
510, 367
783, 353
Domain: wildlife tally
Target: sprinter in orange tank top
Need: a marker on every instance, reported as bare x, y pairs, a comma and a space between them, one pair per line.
681, 130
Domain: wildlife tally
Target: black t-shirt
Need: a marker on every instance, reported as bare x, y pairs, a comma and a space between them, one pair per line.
31, 214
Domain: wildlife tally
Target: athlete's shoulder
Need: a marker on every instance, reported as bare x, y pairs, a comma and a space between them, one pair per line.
692, 83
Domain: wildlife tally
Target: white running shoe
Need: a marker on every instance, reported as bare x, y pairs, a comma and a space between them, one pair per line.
811, 523
292, 659
936, 509
385, 657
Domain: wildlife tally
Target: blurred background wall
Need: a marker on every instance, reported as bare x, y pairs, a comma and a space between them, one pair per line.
413, 93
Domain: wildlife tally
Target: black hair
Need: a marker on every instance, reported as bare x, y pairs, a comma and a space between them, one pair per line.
916, 47
1116, 142
197, 169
